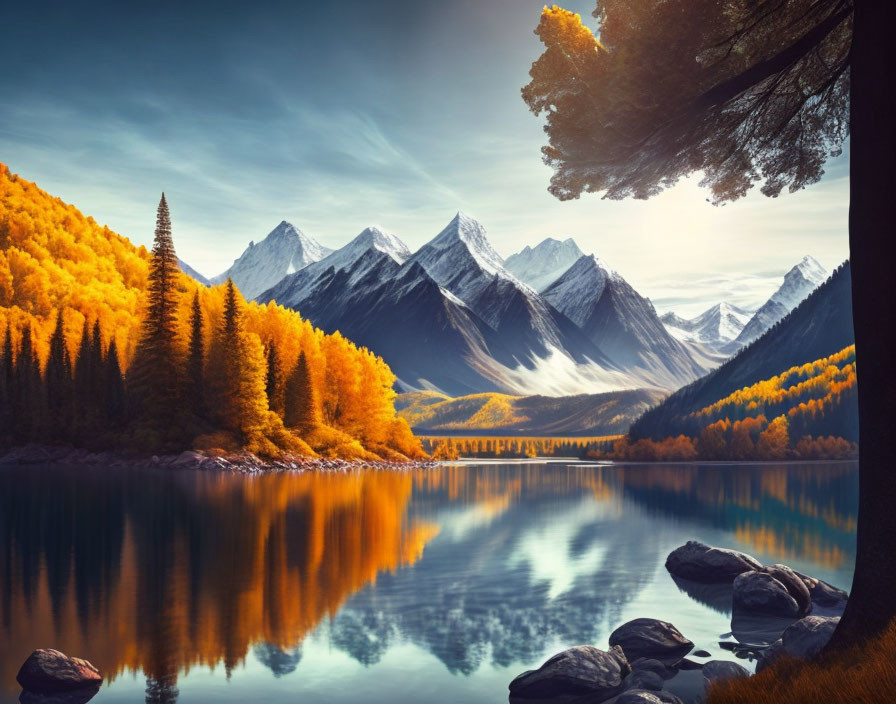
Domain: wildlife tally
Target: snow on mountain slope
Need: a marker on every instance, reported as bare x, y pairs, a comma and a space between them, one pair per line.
714, 327
284, 251
623, 324
363, 254
799, 282
543, 264
461, 258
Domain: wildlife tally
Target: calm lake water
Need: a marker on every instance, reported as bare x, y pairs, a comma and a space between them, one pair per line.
430, 586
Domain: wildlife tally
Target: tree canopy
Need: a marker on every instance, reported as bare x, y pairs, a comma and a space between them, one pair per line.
740, 91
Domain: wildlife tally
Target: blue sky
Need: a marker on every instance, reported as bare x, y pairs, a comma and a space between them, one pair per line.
335, 116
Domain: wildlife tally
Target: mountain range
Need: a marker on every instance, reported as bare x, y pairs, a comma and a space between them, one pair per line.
454, 317
725, 328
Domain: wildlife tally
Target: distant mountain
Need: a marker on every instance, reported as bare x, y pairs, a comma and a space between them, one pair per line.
192, 273
714, 327
491, 413
449, 317
285, 250
543, 264
799, 282
623, 324
818, 327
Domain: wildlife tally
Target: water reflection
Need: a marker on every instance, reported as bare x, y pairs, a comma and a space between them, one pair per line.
159, 572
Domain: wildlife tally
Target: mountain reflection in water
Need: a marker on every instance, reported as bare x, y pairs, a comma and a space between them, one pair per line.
487, 568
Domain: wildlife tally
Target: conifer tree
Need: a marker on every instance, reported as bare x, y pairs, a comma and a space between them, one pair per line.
196, 360
302, 410
6, 372
27, 397
85, 387
113, 387
154, 376
238, 372
274, 380
58, 385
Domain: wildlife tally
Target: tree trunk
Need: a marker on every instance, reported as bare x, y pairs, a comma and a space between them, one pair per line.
872, 602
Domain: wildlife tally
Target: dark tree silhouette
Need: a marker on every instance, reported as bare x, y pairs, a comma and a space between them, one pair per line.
6, 383
746, 91
196, 358
154, 378
274, 379
58, 385
302, 410
113, 388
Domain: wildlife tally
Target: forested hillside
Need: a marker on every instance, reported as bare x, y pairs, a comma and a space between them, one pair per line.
806, 412
78, 302
819, 327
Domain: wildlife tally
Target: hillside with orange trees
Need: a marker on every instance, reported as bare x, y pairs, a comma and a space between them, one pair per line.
809, 411
76, 304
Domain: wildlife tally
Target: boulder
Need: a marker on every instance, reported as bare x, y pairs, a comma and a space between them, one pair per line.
803, 639
643, 696
650, 665
806, 637
769, 655
704, 563
48, 671
582, 670
717, 670
651, 638
822, 593
760, 593
795, 586
643, 679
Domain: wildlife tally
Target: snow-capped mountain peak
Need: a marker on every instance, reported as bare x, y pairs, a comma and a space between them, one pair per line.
714, 327
472, 234
286, 249
543, 264
376, 238
577, 291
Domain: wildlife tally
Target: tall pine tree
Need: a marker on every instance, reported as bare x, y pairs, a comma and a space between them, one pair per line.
58, 385
113, 388
28, 399
153, 379
302, 410
274, 381
6, 379
196, 360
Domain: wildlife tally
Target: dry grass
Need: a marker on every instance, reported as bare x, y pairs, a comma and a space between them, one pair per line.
863, 675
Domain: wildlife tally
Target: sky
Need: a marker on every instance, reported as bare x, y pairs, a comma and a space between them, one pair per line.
338, 115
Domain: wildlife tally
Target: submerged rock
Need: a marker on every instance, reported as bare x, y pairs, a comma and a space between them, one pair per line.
651, 638
49, 671
703, 563
578, 671
823, 594
761, 593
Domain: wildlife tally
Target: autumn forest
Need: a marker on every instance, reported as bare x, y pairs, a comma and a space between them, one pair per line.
108, 345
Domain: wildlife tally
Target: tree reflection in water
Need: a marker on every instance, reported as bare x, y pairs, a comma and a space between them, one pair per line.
159, 572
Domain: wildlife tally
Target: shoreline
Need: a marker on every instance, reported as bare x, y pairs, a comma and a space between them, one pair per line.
241, 462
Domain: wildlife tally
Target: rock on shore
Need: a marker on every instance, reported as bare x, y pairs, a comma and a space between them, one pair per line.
49, 671
238, 462
699, 562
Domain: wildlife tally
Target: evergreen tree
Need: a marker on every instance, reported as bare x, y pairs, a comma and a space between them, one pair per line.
58, 385
196, 359
238, 373
274, 380
85, 388
113, 387
27, 403
302, 410
6, 371
154, 376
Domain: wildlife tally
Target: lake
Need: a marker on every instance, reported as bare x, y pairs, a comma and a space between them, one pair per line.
435, 585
